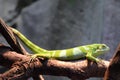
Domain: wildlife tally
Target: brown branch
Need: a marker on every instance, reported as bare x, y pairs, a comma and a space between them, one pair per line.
10, 38
73, 69
113, 71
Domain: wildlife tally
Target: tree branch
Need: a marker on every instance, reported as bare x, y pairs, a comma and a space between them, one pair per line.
113, 71
10, 38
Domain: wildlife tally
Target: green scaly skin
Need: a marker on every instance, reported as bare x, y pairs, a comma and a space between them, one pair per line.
89, 51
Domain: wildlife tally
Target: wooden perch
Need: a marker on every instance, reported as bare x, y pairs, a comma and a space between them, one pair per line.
113, 71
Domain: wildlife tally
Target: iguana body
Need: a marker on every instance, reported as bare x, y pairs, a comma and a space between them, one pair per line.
89, 51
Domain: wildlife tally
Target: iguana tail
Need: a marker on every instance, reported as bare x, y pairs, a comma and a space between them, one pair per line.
27, 42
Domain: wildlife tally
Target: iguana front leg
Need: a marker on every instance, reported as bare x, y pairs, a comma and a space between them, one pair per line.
92, 58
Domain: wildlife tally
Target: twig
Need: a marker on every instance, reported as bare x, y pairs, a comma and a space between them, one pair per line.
11, 39
38, 77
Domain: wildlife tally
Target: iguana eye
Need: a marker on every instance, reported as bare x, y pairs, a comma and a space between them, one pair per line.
103, 46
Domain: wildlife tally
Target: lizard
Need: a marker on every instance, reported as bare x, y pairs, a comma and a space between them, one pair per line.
91, 51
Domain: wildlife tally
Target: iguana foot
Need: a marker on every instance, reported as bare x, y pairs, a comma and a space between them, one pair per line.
34, 56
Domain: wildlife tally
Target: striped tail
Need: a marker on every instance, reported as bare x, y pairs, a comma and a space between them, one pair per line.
34, 48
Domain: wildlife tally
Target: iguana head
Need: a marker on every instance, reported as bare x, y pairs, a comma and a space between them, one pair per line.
100, 49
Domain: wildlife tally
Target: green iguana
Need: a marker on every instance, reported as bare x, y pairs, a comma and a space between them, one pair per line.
91, 51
